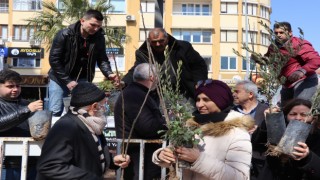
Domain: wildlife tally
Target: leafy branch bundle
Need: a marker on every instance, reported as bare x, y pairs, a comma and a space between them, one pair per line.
177, 107
270, 67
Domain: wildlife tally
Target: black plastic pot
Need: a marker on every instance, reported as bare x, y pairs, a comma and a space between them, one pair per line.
276, 127
296, 131
40, 124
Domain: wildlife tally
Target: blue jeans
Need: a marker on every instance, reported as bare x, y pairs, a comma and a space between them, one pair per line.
56, 95
304, 89
15, 173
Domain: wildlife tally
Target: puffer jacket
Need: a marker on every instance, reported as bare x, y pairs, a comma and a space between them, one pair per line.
64, 54
304, 57
13, 118
225, 152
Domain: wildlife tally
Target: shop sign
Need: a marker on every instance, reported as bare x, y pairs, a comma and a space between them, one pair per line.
115, 51
25, 52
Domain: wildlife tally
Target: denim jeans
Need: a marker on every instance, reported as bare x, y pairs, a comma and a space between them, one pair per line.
15, 174
56, 95
304, 89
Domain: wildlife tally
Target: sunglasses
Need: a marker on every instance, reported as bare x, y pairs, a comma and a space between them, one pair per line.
204, 82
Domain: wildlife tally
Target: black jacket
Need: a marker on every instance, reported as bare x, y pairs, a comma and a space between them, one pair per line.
147, 126
64, 54
14, 123
13, 118
70, 152
194, 67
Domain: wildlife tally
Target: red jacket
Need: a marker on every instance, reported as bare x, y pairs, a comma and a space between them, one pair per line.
305, 58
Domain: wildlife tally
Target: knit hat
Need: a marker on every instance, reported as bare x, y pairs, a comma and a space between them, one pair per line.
218, 91
86, 93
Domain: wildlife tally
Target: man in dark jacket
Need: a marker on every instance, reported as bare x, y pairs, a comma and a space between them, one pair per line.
245, 99
14, 114
194, 67
147, 124
74, 53
75, 147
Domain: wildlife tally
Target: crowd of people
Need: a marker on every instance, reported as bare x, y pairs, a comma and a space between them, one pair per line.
232, 120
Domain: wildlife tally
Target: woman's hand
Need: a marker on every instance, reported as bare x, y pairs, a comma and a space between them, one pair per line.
166, 155
188, 154
122, 161
301, 152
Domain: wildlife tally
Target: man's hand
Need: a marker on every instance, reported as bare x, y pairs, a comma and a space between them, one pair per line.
36, 106
72, 85
114, 77
121, 161
295, 76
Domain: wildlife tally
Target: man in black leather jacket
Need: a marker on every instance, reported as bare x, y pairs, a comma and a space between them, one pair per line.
14, 113
74, 53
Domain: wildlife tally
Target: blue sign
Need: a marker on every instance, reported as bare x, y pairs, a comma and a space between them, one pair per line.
4, 52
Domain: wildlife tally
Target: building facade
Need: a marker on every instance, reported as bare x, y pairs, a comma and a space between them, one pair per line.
214, 27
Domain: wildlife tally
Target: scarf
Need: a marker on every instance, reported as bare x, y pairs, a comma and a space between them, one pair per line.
95, 126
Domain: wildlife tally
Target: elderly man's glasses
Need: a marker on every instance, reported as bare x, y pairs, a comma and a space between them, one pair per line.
203, 82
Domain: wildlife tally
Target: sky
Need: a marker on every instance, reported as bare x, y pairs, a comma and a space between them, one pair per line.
300, 13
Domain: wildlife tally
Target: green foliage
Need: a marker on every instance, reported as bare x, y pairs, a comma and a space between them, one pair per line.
315, 109
106, 86
49, 21
271, 66
178, 108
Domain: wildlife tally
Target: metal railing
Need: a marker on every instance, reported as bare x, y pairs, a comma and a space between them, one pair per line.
24, 147
19, 146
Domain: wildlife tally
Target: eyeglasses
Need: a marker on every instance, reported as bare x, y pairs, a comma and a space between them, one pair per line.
203, 82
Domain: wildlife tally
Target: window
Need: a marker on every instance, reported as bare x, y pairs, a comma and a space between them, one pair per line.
229, 35
3, 31
4, 6
252, 37
26, 62
264, 12
119, 6
228, 63
252, 65
193, 9
265, 39
143, 34
229, 8
27, 5
193, 36
208, 63
148, 6
252, 9
22, 32
119, 60
60, 5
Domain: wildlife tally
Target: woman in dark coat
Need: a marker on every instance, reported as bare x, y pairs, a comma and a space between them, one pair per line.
305, 164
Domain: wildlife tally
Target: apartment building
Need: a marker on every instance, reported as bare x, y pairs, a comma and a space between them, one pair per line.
214, 27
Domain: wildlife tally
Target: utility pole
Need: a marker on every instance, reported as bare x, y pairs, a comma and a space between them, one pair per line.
158, 15
247, 53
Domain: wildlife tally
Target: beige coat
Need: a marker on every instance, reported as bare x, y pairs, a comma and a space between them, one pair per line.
225, 150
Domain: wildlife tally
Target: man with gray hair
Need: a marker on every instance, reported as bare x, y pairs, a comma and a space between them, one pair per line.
147, 123
245, 99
